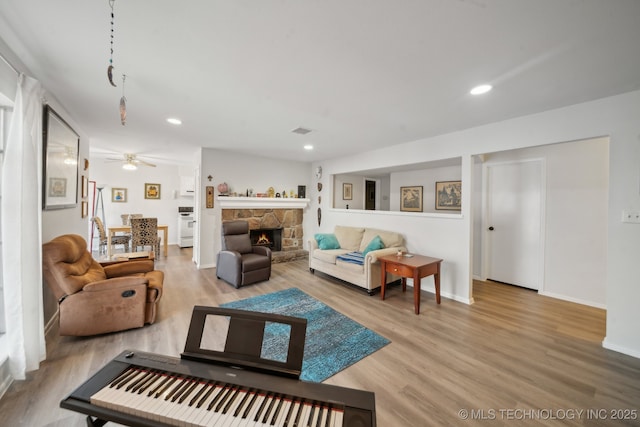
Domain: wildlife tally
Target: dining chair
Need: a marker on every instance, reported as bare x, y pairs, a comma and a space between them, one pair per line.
144, 232
123, 239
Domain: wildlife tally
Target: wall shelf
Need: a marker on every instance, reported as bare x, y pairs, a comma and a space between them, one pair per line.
261, 203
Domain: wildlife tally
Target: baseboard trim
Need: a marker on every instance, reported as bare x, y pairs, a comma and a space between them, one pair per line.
620, 349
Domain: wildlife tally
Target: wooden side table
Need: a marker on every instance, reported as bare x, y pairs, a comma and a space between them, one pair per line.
415, 267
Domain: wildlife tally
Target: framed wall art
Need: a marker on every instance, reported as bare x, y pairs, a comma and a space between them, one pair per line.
411, 199
85, 209
209, 198
347, 191
152, 191
449, 195
119, 195
85, 186
60, 163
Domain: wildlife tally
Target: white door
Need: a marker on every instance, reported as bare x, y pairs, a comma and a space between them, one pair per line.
514, 222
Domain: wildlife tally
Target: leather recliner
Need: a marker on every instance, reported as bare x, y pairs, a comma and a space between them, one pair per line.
94, 299
239, 263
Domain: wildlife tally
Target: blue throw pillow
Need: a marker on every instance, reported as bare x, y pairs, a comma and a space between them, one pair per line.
375, 244
327, 241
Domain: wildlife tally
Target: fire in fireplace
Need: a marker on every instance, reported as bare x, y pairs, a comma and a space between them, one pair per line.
270, 237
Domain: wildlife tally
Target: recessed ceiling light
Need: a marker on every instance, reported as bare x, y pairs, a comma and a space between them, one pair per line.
308, 147
174, 121
479, 90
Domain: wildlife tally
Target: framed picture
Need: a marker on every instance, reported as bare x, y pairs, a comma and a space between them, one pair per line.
85, 208
85, 187
57, 187
302, 191
347, 191
152, 191
411, 199
449, 195
60, 162
209, 197
119, 195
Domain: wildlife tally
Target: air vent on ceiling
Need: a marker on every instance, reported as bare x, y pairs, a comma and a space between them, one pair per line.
301, 131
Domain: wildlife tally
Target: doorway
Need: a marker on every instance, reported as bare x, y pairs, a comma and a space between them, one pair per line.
514, 194
370, 195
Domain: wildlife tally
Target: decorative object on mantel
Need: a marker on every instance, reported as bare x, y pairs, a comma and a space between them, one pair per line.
319, 216
319, 186
271, 192
223, 188
209, 191
302, 191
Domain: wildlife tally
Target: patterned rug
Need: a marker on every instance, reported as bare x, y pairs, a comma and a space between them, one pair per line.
333, 341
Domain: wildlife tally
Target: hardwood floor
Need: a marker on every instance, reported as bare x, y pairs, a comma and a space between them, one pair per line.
512, 358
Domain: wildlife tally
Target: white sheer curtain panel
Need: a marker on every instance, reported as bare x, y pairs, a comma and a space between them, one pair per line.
21, 231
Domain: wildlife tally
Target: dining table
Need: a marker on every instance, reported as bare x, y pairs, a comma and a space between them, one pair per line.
127, 229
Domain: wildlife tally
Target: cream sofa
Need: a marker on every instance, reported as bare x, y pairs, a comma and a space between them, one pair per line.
352, 239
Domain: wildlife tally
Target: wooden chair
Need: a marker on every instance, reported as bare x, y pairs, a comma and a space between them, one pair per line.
115, 240
144, 232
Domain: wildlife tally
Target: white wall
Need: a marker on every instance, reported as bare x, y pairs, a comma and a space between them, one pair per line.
111, 175
357, 193
241, 172
450, 236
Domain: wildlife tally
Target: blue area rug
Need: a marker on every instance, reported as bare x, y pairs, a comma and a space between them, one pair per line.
333, 341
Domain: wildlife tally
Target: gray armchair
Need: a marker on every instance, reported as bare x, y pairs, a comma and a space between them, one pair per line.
239, 263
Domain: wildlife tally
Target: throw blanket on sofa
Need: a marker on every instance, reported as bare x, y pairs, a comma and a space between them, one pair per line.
352, 257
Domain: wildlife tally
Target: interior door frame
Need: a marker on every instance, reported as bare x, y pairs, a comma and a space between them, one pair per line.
486, 246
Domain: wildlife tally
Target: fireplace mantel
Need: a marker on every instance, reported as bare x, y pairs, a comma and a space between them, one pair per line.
261, 203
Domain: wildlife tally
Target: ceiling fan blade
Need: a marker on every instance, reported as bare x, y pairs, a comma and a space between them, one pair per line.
142, 162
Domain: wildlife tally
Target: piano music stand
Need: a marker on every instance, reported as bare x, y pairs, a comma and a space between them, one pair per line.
245, 339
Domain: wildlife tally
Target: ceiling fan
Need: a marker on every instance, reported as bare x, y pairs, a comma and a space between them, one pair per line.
131, 162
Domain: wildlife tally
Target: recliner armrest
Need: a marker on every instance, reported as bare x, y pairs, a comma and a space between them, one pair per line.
115, 284
128, 268
261, 250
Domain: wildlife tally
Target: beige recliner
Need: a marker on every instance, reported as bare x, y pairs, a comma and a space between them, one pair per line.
94, 299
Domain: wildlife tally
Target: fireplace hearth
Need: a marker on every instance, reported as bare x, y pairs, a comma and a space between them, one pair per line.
269, 237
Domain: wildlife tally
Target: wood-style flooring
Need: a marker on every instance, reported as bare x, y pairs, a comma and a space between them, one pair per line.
512, 358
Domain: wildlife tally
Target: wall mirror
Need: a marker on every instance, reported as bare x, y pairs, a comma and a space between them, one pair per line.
60, 163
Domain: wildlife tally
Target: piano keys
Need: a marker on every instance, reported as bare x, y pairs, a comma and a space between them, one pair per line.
146, 389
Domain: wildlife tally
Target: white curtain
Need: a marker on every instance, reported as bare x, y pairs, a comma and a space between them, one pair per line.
21, 231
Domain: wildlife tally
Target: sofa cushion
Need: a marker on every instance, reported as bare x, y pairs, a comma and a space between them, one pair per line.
351, 267
328, 256
327, 241
389, 238
375, 244
349, 237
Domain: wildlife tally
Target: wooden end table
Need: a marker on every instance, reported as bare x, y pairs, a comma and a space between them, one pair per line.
413, 266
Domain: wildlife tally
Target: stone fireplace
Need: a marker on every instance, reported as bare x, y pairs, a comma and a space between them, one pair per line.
285, 222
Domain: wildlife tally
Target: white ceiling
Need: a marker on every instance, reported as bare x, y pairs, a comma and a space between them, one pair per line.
360, 74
